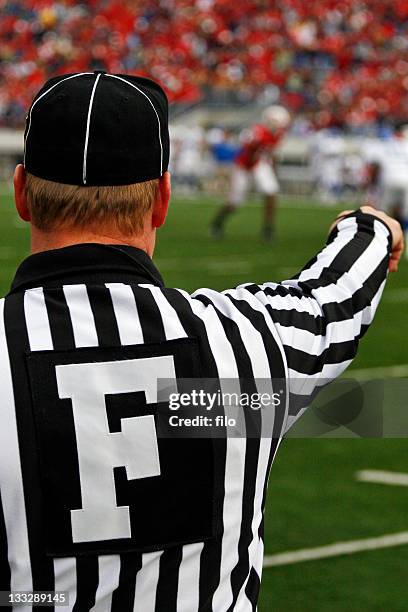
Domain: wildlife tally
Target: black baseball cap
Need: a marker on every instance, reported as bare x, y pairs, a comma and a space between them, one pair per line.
95, 128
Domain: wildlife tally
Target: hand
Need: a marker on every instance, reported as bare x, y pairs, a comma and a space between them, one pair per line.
393, 226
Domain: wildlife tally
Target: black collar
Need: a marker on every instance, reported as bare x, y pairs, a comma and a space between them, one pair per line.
86, 263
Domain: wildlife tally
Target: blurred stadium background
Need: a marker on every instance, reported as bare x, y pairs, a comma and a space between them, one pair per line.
341, 68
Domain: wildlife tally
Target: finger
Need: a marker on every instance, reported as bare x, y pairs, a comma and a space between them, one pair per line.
400, 246
393, 266
395, 258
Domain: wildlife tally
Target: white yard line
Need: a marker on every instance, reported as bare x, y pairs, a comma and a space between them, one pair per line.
336, 549
230, 266
353, 546
210, 262
287, 272
397, 371
289, 202
383, 477
241, 262
396, 295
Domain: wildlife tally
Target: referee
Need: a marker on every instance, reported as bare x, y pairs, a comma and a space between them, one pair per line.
94, 503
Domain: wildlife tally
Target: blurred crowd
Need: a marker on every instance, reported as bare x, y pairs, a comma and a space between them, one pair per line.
336, 63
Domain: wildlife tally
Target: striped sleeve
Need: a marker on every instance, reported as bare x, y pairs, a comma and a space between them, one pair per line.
321, 314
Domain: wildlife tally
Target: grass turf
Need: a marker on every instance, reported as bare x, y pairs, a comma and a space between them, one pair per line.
313, 497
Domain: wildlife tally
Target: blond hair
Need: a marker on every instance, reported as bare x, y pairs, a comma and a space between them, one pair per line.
58, 206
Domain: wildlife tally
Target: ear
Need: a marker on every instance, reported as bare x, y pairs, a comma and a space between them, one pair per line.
161, 205
19, 193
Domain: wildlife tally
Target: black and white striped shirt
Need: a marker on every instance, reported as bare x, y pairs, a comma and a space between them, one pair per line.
186, 536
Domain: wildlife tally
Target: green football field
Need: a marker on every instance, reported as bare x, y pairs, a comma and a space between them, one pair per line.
314, 497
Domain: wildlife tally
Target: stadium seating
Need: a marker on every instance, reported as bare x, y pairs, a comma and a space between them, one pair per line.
337, 62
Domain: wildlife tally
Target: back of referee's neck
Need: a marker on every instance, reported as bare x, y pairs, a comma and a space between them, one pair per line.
67, 234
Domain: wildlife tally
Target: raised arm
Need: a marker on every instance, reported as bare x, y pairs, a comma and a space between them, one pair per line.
320, 315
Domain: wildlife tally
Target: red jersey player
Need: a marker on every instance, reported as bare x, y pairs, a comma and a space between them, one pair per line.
254, 163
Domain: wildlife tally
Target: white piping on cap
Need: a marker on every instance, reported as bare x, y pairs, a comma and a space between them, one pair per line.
114, 76
88, 123
72, 76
